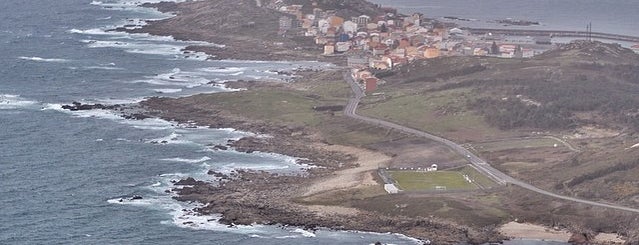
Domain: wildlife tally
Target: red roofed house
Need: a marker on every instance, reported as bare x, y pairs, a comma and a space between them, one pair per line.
371, 84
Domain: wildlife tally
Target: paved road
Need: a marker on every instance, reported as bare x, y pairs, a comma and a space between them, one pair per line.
554, 33
481, 165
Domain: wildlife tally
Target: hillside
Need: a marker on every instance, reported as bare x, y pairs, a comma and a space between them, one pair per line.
583, 96
576, 85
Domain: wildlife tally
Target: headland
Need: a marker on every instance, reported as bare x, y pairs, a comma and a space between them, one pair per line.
430, 76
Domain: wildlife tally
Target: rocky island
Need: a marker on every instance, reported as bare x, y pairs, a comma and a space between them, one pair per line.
564, 121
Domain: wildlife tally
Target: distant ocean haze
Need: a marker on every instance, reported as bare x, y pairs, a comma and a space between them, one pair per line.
608, 16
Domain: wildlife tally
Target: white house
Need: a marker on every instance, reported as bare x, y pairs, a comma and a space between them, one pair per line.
349, 27
432, 168
323, 25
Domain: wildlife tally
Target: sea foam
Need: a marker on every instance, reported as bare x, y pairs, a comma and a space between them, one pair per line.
40, 59
12, 102
167, 90
184, 160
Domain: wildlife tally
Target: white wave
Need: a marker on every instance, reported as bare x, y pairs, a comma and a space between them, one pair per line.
187, 218
134, 3
151, 124
54, 107
119, 35
105, 44
270, 162
286, 237
173, 138
12, 102
138, 47
96, 113
177, 78
304, 233
634, 146
156, 184
179, 175
223, 69
157, 49
167, 90
112, 101
147, 123
184, 160
93, 31
270, 72
40, 59
103, 114
224, 87
128, 201
103, 68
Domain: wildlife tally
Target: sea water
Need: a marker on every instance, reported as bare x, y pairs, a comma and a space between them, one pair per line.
607, 16
63, 173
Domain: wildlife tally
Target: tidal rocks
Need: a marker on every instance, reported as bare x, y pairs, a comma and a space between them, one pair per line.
189, 181
217, 174
77, 106
136, 116
220, 147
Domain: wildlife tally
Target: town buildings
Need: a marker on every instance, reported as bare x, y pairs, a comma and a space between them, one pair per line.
388, 40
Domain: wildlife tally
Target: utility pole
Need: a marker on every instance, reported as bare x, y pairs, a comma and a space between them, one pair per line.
589, 30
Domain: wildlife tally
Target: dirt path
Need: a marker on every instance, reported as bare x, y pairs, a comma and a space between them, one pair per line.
360, 176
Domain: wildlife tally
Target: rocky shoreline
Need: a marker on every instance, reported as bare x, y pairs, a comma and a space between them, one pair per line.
258, 197
250, 197
255, 197
242, 30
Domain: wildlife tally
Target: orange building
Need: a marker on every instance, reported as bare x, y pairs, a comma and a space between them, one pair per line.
430, 53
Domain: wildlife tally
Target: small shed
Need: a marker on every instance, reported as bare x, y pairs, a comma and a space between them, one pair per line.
391, 188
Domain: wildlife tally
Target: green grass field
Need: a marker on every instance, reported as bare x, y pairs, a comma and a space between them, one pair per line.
417, 181
476, 177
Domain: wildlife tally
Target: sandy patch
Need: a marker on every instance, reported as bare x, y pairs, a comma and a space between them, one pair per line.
608, 238
360, 176
530, 231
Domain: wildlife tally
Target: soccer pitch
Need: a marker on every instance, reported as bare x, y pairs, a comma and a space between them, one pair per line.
437, 180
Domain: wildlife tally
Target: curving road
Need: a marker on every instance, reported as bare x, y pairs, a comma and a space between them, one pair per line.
481, 165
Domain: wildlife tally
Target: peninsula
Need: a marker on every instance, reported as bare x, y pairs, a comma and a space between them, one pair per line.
562, 121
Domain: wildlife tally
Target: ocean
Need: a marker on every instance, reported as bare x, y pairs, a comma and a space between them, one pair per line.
63, 173
608, 16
